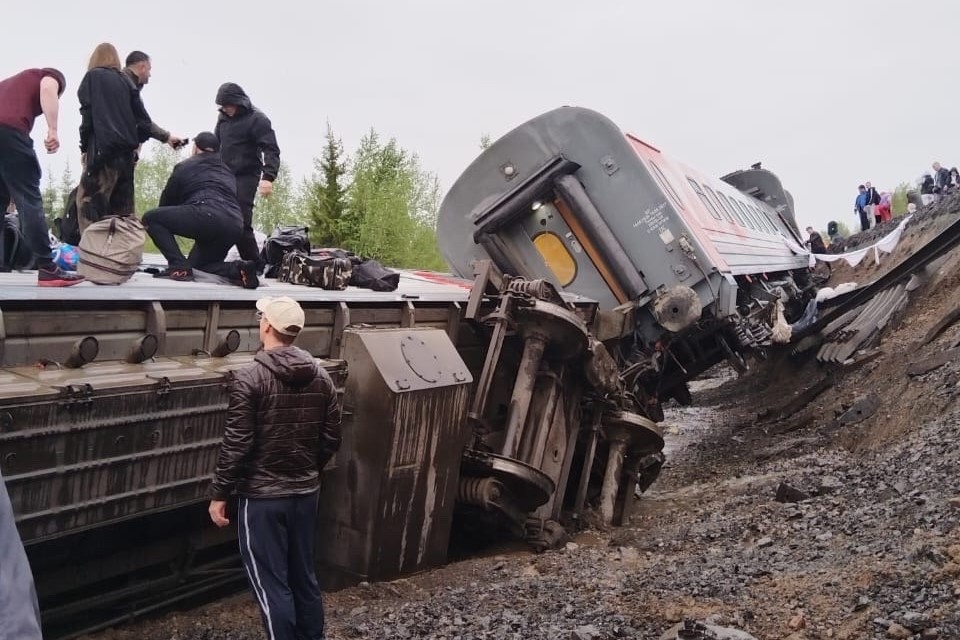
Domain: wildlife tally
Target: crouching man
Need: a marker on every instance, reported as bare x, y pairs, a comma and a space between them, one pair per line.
282, 427
200, 202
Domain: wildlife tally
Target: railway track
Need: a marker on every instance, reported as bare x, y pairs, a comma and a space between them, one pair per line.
96, 613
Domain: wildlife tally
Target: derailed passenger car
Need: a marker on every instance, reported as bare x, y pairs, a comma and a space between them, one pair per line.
596, 278
686, 268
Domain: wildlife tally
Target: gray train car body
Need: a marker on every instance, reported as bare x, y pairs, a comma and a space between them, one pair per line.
685, 264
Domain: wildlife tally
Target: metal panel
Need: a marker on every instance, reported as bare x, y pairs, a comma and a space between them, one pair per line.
88, 447
387, 503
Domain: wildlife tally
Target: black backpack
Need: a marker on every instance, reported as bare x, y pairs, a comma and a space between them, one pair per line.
14, 252
285, 239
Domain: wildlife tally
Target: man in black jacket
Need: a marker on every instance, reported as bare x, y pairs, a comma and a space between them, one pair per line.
249, 147
200, 202
138, 69
283, 427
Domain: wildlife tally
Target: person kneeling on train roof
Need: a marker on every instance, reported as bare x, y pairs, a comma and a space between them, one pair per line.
282, 428
200, 202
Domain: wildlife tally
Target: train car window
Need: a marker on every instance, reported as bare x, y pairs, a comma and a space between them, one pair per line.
764, 223
753, 212
703, 196
717, 203
557, 257
746, 214
732, 208
766, 220
661, 178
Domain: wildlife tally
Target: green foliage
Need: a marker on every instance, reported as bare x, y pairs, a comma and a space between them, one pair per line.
392, 206
52, 202
55, 195
898, 205
150, 177
283, 206
325, 193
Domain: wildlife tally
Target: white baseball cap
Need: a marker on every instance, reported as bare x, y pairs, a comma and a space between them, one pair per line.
283, 313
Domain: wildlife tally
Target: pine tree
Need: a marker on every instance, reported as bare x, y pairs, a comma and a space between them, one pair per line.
52, 202
66, 185
326, 194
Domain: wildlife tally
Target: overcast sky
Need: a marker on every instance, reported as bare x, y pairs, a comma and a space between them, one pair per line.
828, 94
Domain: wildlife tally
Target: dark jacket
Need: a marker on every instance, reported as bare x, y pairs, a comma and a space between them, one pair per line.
202, 179
283, 426
816, 243
113, 119
942, 179
873, 196
247, 141
156, 131
19, 614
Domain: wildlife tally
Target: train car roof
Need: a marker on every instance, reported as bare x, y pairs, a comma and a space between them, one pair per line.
22, 286
422, 286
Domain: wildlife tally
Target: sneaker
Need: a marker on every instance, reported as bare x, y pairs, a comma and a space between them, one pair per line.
248, 274
181, 274
54, 276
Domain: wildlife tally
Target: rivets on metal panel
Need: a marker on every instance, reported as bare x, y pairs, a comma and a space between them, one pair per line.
155, 438
403, 383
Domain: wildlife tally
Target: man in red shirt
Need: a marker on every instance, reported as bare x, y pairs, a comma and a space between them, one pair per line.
23, 97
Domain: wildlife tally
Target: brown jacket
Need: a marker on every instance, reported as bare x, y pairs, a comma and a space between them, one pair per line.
283, 426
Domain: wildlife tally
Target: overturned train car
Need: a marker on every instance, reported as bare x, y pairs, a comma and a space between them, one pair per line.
686, 269
112, 403
595, 277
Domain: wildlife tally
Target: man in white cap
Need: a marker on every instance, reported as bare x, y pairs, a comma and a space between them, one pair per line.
283, 426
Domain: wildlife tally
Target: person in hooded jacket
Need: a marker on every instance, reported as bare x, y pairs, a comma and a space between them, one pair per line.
199, 201
282, 428
249, 147
113, 124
